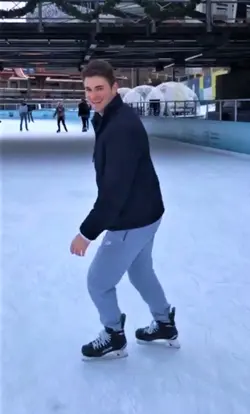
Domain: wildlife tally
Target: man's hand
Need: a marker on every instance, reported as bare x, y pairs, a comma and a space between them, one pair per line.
79, 245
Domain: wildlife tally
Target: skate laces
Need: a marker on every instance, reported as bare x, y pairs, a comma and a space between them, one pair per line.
153, 327
102, 340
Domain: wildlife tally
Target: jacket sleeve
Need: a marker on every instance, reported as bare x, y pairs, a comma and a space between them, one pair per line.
121, 162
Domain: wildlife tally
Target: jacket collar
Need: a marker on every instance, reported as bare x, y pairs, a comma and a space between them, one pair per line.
109, 110
113, 105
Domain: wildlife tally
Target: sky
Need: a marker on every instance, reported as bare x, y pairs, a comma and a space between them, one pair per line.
8, 5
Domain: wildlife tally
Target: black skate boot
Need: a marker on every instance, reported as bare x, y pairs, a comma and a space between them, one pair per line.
110, 344
160, 331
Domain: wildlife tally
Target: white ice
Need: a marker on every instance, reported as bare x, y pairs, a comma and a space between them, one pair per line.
202, 258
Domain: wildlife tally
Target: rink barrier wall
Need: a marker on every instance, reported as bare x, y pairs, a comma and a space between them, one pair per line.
38, 114
226, 135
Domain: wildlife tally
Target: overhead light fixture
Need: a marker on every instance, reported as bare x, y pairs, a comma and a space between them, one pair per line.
169, 66
193, 57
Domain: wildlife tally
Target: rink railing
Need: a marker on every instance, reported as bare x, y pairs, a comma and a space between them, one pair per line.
226, 110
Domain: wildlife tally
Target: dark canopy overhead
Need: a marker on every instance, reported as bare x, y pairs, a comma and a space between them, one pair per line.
49, 37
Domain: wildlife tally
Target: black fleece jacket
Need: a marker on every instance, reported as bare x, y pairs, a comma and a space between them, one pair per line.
129, 194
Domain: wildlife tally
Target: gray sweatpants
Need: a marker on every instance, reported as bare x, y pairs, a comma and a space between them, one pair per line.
121, 251
23, 117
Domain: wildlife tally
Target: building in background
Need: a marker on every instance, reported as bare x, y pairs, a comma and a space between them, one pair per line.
203, 82
41, 83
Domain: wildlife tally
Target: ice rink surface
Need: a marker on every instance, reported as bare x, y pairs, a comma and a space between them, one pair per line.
202, 258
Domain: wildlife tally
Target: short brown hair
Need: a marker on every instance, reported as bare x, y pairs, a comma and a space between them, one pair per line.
101, 68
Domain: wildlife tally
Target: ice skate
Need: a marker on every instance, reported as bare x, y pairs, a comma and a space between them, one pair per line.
109, 344
160, 331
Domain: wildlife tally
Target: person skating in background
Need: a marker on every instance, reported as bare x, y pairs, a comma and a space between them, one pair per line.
23, 113
30, 114
60, 114
84, 113
129, 206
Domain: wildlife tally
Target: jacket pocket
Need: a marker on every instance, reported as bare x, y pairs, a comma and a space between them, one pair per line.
125, 234
115, 237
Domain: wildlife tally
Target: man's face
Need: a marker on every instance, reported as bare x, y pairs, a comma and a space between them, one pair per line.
99, 92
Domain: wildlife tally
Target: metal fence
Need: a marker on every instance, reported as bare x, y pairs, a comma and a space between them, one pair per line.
220, 110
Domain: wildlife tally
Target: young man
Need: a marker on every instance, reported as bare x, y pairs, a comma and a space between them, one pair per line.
129, 206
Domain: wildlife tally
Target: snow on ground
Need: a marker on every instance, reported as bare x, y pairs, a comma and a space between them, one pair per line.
201, 256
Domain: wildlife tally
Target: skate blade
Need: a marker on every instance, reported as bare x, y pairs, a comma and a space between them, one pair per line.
109, 356
169, 343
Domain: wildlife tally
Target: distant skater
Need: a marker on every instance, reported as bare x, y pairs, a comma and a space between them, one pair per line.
30, 113
84, 113
60, 113
23, 113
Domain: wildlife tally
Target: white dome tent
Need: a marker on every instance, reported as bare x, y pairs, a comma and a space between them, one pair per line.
155, 95
134, 99
143, 90
176, 91
123, 91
